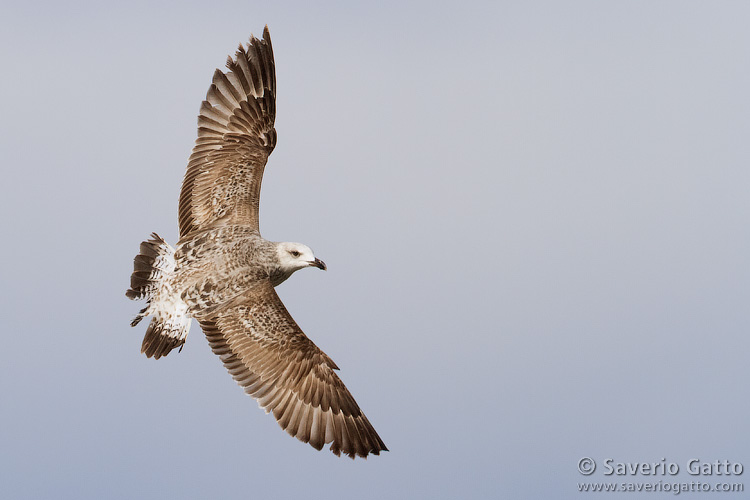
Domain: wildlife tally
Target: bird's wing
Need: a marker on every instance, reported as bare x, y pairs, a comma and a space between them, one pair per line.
235, 136
272, 359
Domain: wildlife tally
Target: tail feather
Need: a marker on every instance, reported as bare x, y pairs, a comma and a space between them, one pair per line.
138, 317
152, 268
165, 333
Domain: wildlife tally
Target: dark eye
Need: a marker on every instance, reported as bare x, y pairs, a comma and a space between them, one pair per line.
294, 253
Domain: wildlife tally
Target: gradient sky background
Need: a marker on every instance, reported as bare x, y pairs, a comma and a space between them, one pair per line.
534, 215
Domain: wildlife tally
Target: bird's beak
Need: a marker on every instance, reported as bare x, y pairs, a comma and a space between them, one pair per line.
319, 264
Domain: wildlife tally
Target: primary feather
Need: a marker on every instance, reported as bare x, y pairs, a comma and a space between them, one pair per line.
223, 273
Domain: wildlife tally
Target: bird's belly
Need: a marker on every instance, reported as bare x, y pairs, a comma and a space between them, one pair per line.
216, 266
208, 291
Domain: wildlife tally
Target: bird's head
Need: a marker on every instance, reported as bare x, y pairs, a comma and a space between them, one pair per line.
295, 256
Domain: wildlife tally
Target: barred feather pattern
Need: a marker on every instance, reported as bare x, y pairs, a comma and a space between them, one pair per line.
153, 274
270, 357
151, 266
235, 136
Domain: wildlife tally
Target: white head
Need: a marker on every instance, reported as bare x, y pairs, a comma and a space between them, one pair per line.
295, 256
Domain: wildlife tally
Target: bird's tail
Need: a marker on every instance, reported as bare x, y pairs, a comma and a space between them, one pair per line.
167, 330
152, 269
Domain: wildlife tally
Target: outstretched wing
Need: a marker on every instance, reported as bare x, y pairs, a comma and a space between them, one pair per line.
235, 137
272, 359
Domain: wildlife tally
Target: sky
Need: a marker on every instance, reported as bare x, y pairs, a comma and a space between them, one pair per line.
534, 216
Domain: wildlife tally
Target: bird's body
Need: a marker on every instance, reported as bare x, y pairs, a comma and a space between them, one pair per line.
222, 272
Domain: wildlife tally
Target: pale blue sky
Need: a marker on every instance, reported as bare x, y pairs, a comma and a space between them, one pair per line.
534, 216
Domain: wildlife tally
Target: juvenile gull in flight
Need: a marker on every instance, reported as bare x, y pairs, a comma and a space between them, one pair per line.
223, 273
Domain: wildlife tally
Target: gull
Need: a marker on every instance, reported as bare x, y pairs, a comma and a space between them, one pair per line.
223, 273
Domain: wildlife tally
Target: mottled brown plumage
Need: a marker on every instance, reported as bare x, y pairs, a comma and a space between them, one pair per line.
235, 137
269, 356
223, 273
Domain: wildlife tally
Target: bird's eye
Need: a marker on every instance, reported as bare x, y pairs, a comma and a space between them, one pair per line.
294, 253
